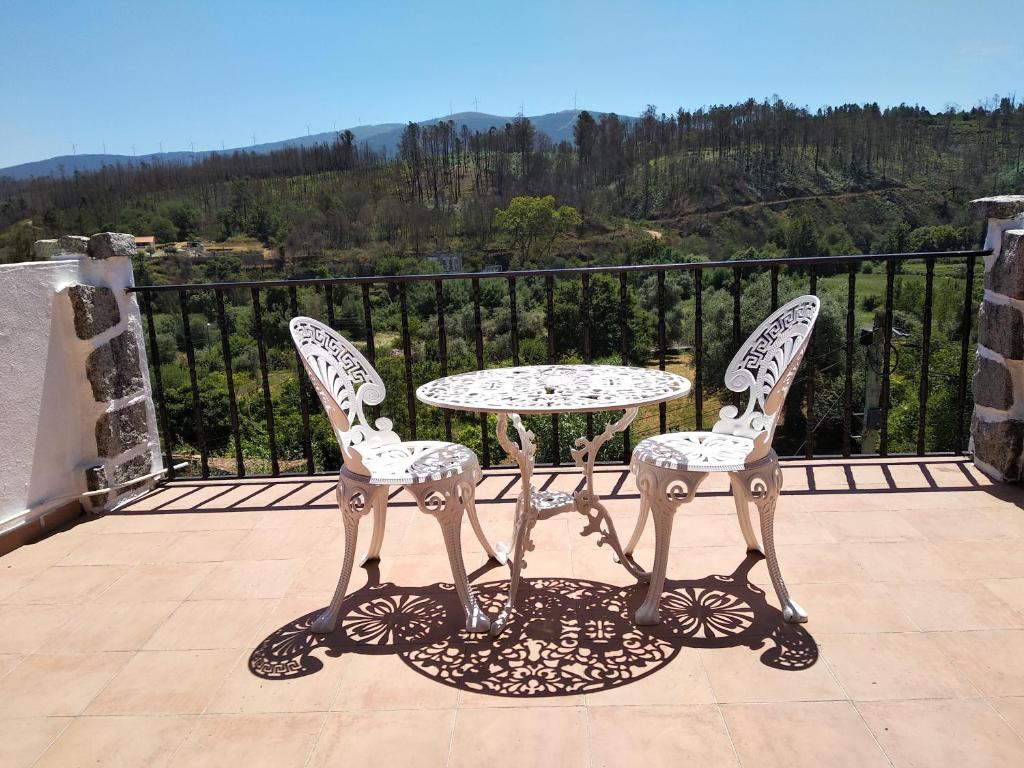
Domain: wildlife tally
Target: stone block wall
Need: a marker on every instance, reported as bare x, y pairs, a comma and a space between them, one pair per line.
118, 414
997, 428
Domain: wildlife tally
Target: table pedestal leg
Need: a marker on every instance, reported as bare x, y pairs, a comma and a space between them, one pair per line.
588, 503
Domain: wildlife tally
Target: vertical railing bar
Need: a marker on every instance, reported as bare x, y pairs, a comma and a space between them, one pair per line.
890, 278
698, 348
851, 298
513, 308
329, 295
624, 352
371, 347
300, 381
410, 395
225, 347
442, 348
775, 288
737, 283
926, 353
662, 348
549, 317
588, 351
965, 345
268, 403
158, 382
478, 333
812, 372
197, 405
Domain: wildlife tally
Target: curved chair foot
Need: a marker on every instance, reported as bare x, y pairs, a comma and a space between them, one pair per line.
325, 623
792, 613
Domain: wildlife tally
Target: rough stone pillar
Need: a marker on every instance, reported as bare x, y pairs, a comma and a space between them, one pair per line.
118, 414
997, 428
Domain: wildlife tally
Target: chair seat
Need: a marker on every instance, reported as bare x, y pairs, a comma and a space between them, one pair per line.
695, 451
417, 461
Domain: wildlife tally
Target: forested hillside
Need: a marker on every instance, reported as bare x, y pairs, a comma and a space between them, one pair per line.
714, 181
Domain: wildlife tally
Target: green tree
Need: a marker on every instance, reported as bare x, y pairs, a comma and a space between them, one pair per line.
530, 225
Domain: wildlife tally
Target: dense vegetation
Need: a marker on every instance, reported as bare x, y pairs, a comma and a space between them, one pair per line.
726, 183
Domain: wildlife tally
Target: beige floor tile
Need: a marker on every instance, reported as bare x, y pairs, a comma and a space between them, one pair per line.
941, 733
243, 692
869, 525
255, 741
408, 738
362, 688
24, 739
282, 544
165, 683
987, 559
1010, 591
681, 682
156, 582
318, 577
555, 737
211, 624
45, 552
56, 685
313, 517
659, 736
957, 523
844, 608
904, 561
117, 742
247, 579
738, 675
991, 659
68, 584
590, 564
27, 628
120, 549
13, 578
1011, 709
953, 605
274, 492
9, 661
204, 546
802, 735
818, 563
111, 627
696, 563
893, 666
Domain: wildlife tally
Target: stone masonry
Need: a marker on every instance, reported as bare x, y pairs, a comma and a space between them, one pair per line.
997, 428
106, 320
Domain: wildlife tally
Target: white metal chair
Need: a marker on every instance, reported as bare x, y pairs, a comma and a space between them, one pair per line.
669, 468
441, 476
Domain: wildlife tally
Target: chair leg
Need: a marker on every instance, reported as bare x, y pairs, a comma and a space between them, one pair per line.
763, 485
739, 495
446, 501
666, 490
474, 521
641, 523
380, 516
354, 501
526, 517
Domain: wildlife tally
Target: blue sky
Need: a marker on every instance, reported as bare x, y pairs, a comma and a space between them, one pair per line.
142, 73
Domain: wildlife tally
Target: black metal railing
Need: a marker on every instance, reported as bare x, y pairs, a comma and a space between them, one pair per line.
235, 454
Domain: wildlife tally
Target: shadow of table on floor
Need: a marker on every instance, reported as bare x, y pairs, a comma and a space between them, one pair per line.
569, 636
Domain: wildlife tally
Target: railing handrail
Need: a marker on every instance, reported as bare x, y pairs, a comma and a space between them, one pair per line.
788, 261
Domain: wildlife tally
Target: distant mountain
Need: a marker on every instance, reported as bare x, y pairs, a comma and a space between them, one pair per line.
557, 125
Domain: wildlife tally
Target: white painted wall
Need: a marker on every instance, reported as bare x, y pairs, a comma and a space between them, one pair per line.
40, 436
47, 411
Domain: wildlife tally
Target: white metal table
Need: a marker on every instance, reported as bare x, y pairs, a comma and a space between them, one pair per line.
549, 389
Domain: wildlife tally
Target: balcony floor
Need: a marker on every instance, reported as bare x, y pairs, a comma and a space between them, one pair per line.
175, 633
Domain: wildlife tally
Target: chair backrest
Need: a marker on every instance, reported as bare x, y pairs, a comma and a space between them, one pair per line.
766, 365
345, 382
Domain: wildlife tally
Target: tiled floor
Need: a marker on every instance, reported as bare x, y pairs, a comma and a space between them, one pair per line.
175, 633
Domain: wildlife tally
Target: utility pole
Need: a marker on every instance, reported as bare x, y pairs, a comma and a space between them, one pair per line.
254, 139
74, 148
476, 104
307, 129
133, 150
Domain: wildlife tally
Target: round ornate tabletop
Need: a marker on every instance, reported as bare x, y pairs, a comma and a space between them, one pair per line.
554, 389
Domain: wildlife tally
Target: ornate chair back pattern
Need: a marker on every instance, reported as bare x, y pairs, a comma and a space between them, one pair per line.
345, 382
766, 365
